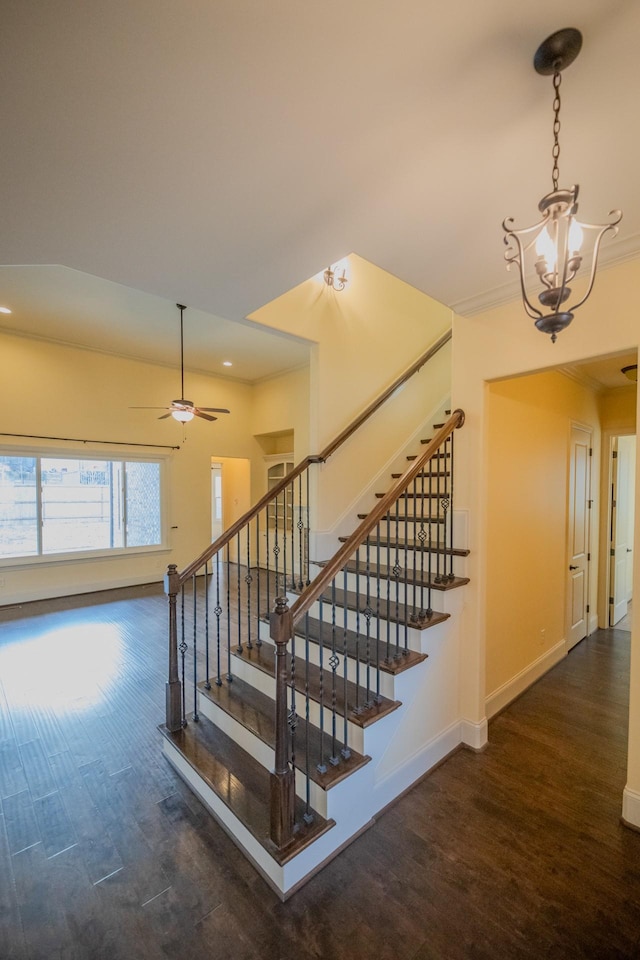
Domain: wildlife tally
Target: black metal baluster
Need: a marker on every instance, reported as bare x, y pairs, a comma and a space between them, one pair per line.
292, 496
228, 570
416, 533
292, 719
334, 759
218, 612
346, 752
430, 540
308, 815
368, 612
284, 541
421, 542
357, 707
248, 580
276, 548
207, 681
378, 638
238, 595
451, 467
268, 558
183, 649
438, 525
306, 544
322, 766
300, 527
258, 584
195, 648
396, 575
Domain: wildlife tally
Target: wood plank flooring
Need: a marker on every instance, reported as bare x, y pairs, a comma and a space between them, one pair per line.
514, 853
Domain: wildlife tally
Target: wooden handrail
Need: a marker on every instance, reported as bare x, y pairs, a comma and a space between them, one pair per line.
371, 409
357, 538
247, 517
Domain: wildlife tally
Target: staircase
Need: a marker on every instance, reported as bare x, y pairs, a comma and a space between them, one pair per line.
305, 697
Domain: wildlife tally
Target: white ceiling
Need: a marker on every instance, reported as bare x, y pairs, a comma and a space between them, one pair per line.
218, 152
56, 303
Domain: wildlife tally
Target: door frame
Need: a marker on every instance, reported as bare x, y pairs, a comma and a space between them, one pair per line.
604, 579
589, 429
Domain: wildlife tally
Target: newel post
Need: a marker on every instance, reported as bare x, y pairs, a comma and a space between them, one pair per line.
174, 687
283, 788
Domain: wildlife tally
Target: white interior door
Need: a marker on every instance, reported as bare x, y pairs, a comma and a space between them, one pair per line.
217, 524
622, 517
578, 533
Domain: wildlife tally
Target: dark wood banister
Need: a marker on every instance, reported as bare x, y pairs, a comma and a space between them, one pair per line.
337, 562
246, 518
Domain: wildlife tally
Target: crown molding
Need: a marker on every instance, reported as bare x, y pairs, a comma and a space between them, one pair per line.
620, 251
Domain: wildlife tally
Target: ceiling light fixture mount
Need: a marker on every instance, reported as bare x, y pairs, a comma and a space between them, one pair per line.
631, 372
338, 283
551, 252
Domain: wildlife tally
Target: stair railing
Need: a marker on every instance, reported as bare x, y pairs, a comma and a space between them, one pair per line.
405, 604
217, 600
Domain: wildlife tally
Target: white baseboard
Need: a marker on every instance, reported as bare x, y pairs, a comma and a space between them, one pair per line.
631, 808
593, 623
475, 735
503, 696
70, 589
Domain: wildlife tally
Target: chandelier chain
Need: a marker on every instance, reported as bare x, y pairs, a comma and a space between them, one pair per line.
555, 153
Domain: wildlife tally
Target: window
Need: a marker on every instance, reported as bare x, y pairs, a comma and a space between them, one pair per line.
57, 505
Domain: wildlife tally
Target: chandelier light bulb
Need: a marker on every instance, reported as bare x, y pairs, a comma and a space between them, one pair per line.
576, 236
547, 249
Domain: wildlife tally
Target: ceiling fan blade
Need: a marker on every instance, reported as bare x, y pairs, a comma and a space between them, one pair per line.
148, 408
164, 415
205, 416
214, 409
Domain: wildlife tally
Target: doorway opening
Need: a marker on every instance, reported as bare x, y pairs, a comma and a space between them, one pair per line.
622, 468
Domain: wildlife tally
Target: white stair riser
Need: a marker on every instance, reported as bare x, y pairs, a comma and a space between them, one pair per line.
356, 583
387, 680
387, 631
388, 557
266, 684
321, 800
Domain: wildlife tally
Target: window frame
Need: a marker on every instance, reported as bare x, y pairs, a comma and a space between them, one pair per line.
102, 553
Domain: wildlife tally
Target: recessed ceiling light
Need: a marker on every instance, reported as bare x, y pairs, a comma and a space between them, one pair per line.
5, 310
227, 363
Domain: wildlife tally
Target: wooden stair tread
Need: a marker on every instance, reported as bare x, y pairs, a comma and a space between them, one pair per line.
263, 658
417, 495
405, 517
385, 572
256, 711
241, 783
391, 611
356, 646
414, 545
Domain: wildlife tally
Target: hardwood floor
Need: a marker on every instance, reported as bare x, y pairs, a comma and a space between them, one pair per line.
514, 853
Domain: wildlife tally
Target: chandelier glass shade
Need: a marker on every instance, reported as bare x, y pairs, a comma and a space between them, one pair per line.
550, 254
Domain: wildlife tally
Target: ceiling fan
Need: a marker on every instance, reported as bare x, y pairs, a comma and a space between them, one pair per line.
184, 410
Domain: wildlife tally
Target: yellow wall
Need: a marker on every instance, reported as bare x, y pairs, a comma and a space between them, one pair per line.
365, 336
281, 405
503, 342
528, 430
53, 390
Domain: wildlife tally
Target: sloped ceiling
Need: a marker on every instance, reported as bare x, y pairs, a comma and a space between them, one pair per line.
219, 153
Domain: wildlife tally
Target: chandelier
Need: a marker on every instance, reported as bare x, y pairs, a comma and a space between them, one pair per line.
550, 253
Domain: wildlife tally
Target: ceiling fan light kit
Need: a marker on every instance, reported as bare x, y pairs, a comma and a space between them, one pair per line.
184, 410
550, 253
